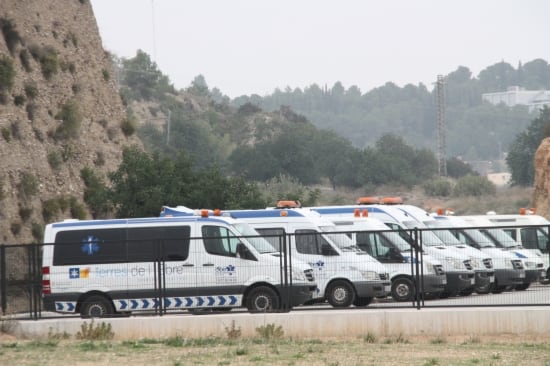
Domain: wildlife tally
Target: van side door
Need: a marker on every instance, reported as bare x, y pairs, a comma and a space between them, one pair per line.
221, 269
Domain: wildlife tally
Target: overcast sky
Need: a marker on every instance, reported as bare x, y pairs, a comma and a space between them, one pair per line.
254, 46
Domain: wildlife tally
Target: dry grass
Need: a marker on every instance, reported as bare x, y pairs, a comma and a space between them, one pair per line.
368, 350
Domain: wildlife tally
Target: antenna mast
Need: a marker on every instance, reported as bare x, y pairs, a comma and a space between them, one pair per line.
442, 168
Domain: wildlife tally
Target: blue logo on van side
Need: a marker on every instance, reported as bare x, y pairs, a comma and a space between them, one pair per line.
90, 245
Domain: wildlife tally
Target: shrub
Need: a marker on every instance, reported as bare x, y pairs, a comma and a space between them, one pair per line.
106, 75
100, 158
47, 57
4, 98
78, 211
471, 185
25, 213
270, 331
71, 120
19, 100
128, 126
28, 185
440, 188
6, 134
31, 111
54, 159
7, 73
31, 91
16, 130
95, 332
37, 231
15, 228
24, 57
11, 36
50, 209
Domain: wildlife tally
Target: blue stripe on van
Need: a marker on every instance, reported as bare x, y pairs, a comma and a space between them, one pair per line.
152, 220
248, 214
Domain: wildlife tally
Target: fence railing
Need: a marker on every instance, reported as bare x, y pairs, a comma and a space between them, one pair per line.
433, 270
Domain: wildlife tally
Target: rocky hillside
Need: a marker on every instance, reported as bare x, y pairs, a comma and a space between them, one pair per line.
60, 111
541, 191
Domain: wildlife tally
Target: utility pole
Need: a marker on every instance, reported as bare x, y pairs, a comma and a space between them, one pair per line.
442, 167
168, 118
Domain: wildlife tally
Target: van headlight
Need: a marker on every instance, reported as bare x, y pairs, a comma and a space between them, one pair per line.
455, 263
428, 268
476, 262
298, 275
369, 275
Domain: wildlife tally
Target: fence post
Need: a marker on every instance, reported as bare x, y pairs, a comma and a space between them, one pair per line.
3, 280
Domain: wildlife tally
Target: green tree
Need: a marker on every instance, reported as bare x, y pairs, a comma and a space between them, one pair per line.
143, 78
522, 151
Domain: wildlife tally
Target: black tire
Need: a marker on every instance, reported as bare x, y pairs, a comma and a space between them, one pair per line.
96, 307
340, 294
496, 288
362, 301
402, 289
467, 291
482, 290
262, 299
522, 287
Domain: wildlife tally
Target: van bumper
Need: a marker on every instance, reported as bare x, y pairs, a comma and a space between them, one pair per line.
509, 276
484, 279
459, 281
299, 294
534, 275
372, 288
433, 284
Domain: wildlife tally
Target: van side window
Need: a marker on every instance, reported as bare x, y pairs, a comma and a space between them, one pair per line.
158, 243
311, 242
274, 236
90, 246
219, 240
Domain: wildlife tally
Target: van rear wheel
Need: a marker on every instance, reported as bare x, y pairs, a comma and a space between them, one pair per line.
340, 294
262, 299
96, 307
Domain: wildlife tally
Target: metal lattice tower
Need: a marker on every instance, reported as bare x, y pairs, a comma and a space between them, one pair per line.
442, 168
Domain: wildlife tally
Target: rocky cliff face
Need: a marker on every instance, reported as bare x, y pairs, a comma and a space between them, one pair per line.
541, 192
60, 111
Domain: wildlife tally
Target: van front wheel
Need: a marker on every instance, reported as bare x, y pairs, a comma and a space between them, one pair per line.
262, 299
96, 307
340, 294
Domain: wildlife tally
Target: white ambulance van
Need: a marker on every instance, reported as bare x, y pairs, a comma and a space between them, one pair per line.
458, 267
481, 261
385, 245
510, 234
345, 275
510, 270
105, 267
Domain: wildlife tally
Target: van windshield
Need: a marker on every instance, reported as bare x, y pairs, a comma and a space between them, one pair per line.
501, 238
445, 235
428, 238
254, 238
339, 237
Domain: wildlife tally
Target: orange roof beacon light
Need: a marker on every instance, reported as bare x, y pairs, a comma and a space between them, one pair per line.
284, 213
371, 200
288, 204
391, 201
365, 213
204, 213
527, 211
356, 212
217, 212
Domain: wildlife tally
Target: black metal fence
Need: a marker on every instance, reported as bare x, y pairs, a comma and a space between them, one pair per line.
427, 273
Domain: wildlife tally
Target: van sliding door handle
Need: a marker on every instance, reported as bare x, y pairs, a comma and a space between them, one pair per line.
188, 265
208, 265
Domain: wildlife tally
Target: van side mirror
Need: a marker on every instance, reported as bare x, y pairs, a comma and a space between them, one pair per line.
244, 253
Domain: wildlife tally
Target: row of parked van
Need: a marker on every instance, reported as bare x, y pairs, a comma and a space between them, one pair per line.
260, 259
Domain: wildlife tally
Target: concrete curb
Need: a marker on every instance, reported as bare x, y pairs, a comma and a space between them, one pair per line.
315, 324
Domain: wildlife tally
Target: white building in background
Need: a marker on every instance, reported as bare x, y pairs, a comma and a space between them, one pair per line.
534, 99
